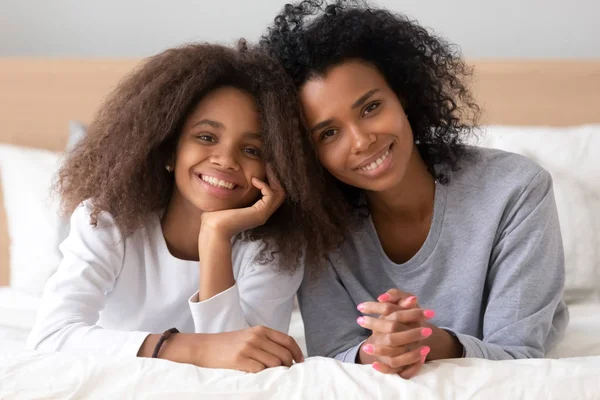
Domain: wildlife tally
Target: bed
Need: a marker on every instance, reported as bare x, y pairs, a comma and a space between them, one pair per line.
547, 110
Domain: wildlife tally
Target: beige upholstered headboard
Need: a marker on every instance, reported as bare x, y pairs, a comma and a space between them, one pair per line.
38, 97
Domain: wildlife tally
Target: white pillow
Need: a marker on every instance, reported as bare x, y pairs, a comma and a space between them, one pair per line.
32, 215
572, 156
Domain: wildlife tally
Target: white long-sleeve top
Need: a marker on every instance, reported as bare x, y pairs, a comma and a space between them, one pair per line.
111, 291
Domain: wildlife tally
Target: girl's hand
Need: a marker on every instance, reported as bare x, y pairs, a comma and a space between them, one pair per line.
395, 345
218, 227
250, 350
228, 223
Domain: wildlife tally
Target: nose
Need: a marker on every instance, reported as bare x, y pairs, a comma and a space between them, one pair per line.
361, 140
225, 159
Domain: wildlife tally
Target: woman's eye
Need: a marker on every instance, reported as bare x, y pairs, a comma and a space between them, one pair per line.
327, 134
371, 107
253, 152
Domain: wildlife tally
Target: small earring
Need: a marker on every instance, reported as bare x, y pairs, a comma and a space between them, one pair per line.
169, 168
417, 141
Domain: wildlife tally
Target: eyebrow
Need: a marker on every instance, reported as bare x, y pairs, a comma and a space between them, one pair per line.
253, 135
320, 125
361, 100
209, 122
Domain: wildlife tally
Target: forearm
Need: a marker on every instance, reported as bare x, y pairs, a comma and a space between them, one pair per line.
216, 270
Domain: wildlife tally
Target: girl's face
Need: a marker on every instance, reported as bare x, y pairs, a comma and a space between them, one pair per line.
358, 126
219, 151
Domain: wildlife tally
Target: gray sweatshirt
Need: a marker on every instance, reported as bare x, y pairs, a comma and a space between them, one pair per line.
492, 267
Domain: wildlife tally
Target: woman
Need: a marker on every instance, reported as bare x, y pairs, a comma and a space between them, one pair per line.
472, 233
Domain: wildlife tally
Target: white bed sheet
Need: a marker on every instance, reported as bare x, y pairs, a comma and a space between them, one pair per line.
26, 374
29, 374
17, 315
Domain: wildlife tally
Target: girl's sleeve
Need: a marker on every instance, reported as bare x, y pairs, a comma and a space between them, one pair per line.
263, 295
75, 294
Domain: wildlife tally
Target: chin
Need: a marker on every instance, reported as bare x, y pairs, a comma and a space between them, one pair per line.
207, 206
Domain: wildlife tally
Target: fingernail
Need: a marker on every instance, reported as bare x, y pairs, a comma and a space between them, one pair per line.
367, 348
424, 351
423, 358
361, 307
408, 301
429, 313
360, 320
426, 332
384, 297
376, 367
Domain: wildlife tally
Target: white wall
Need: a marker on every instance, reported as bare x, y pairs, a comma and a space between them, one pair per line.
133, 28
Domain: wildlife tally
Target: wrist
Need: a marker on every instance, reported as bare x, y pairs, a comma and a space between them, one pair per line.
362, 357
443, 344
213, 231
179, 347
212, 238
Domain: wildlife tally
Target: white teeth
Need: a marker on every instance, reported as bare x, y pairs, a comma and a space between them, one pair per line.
377, 162
218, 183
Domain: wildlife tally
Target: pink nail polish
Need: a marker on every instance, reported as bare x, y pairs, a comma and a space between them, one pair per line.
367, 348
424, 351
376, 367
426, 332
360, 307
360, 320
429, 313
408, 301
423, 358
384, 297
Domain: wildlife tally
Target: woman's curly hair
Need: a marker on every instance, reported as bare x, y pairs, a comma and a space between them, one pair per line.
120, 164
426, 73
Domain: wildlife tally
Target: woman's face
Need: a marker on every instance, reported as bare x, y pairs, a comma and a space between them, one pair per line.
219, 151
358, 126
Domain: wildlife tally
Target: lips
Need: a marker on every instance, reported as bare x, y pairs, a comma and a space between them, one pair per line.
375, 160
219, 180
211, 180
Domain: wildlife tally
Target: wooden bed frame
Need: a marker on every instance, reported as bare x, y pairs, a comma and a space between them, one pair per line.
38, 97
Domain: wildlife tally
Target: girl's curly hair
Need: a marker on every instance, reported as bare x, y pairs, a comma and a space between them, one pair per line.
426, 73
120, 164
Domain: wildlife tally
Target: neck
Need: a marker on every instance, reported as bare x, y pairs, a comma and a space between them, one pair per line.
411, 199
181, 227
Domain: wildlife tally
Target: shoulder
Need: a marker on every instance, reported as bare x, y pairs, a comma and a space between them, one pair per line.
102, 227
499, 171
246, 250
262, 257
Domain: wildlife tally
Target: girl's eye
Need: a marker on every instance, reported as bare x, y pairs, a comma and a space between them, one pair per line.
370, 107
327, 134
253, 152
205, 137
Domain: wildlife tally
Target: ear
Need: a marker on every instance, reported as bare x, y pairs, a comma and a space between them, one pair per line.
170, 164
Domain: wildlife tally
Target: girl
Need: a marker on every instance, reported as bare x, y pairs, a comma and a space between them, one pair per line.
473, 233
175, 191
